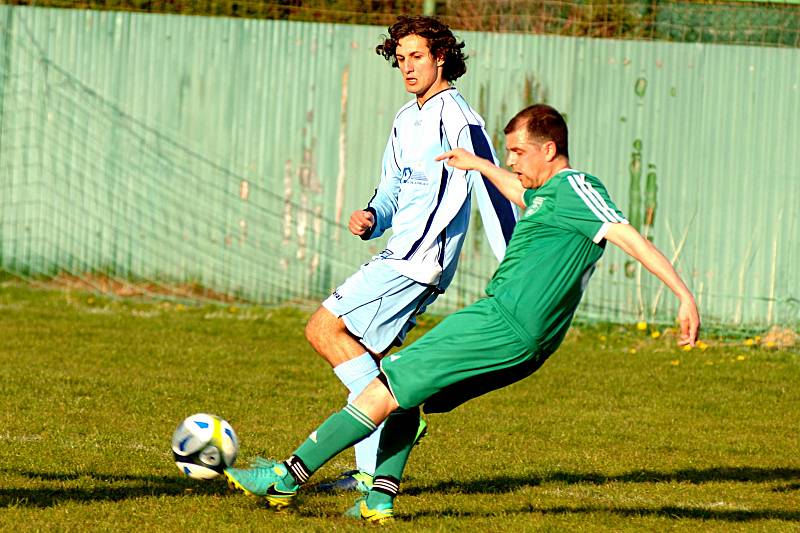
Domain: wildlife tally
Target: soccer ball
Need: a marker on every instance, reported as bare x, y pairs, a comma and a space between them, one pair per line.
204, 445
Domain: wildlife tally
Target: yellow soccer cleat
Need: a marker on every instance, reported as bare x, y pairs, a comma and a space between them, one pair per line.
382, 514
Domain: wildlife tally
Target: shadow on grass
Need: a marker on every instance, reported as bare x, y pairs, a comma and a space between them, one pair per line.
501, 484
669, 511
787, 488
94, 486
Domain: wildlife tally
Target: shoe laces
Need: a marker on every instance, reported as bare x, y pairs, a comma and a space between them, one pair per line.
262, 462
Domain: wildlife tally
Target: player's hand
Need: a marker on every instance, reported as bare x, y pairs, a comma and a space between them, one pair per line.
461, 159
360, 222
689, 320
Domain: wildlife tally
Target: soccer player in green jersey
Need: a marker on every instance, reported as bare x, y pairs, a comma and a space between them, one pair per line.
498, 340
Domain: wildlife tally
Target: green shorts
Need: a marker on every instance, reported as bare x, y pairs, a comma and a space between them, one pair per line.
478, 349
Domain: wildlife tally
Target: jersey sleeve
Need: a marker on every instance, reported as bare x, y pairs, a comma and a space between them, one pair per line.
498, 214
585, 206
383, 204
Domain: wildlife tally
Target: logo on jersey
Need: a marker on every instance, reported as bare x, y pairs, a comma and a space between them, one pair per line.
337, 295
535, 205
413, 176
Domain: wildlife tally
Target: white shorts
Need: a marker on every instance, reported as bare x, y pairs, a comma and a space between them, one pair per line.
379, 306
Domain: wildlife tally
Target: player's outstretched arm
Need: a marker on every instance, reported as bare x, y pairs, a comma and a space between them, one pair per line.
632, 243
505, 181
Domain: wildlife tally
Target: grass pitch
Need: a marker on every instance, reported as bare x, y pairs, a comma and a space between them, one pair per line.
618, 431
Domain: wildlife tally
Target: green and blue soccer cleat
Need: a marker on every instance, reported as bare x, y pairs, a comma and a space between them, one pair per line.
269, 480
381, 514
261, 462
350, 480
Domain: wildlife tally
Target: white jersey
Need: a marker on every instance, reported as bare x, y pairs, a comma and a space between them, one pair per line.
424, 201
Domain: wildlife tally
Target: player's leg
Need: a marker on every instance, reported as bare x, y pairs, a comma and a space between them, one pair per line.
336, 331
397, 439
330, 338
352, 364
350, 325
476, 345
369, 312
278, 482
366, 451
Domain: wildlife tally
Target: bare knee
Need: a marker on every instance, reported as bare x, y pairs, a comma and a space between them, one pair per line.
330, 338
318, 326
376, 401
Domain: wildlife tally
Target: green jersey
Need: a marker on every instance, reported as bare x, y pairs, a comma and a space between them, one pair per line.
552, 254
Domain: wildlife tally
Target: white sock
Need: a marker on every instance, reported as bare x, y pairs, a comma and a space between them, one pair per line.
356, 374
367, 451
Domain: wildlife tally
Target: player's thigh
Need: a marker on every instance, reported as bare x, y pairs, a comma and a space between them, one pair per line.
322, 324
473, 342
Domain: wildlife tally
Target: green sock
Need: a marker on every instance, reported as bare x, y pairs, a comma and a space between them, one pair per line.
397, 440
340, 431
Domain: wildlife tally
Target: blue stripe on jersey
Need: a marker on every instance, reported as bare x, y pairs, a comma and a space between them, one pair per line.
394, 151
443, 237
502, 207
442, 187
367, 234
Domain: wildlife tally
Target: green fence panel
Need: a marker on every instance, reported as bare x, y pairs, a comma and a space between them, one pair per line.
221, 157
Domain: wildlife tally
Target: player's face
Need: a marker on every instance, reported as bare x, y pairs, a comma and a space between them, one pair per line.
528, 158
422, 73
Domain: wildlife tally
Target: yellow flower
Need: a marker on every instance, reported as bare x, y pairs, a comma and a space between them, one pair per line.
90, 300
233, 309
632, 351
757, 338
655, 334
687, 348
641, 326
675, 362
740, 358
702, 345
180, 307
770, 344
603, 338
749, 342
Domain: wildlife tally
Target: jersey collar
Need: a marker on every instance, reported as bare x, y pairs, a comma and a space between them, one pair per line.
438, 95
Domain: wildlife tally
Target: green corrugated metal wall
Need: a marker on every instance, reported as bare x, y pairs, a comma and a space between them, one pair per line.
230, 152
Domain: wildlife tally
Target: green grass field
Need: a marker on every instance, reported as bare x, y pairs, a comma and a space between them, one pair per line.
618, 431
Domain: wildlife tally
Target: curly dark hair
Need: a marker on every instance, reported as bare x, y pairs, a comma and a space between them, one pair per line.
441, 41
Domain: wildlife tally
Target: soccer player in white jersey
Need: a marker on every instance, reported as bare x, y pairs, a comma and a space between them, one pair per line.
427, 206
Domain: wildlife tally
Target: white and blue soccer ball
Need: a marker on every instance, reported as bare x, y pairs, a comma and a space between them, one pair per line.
204, 445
